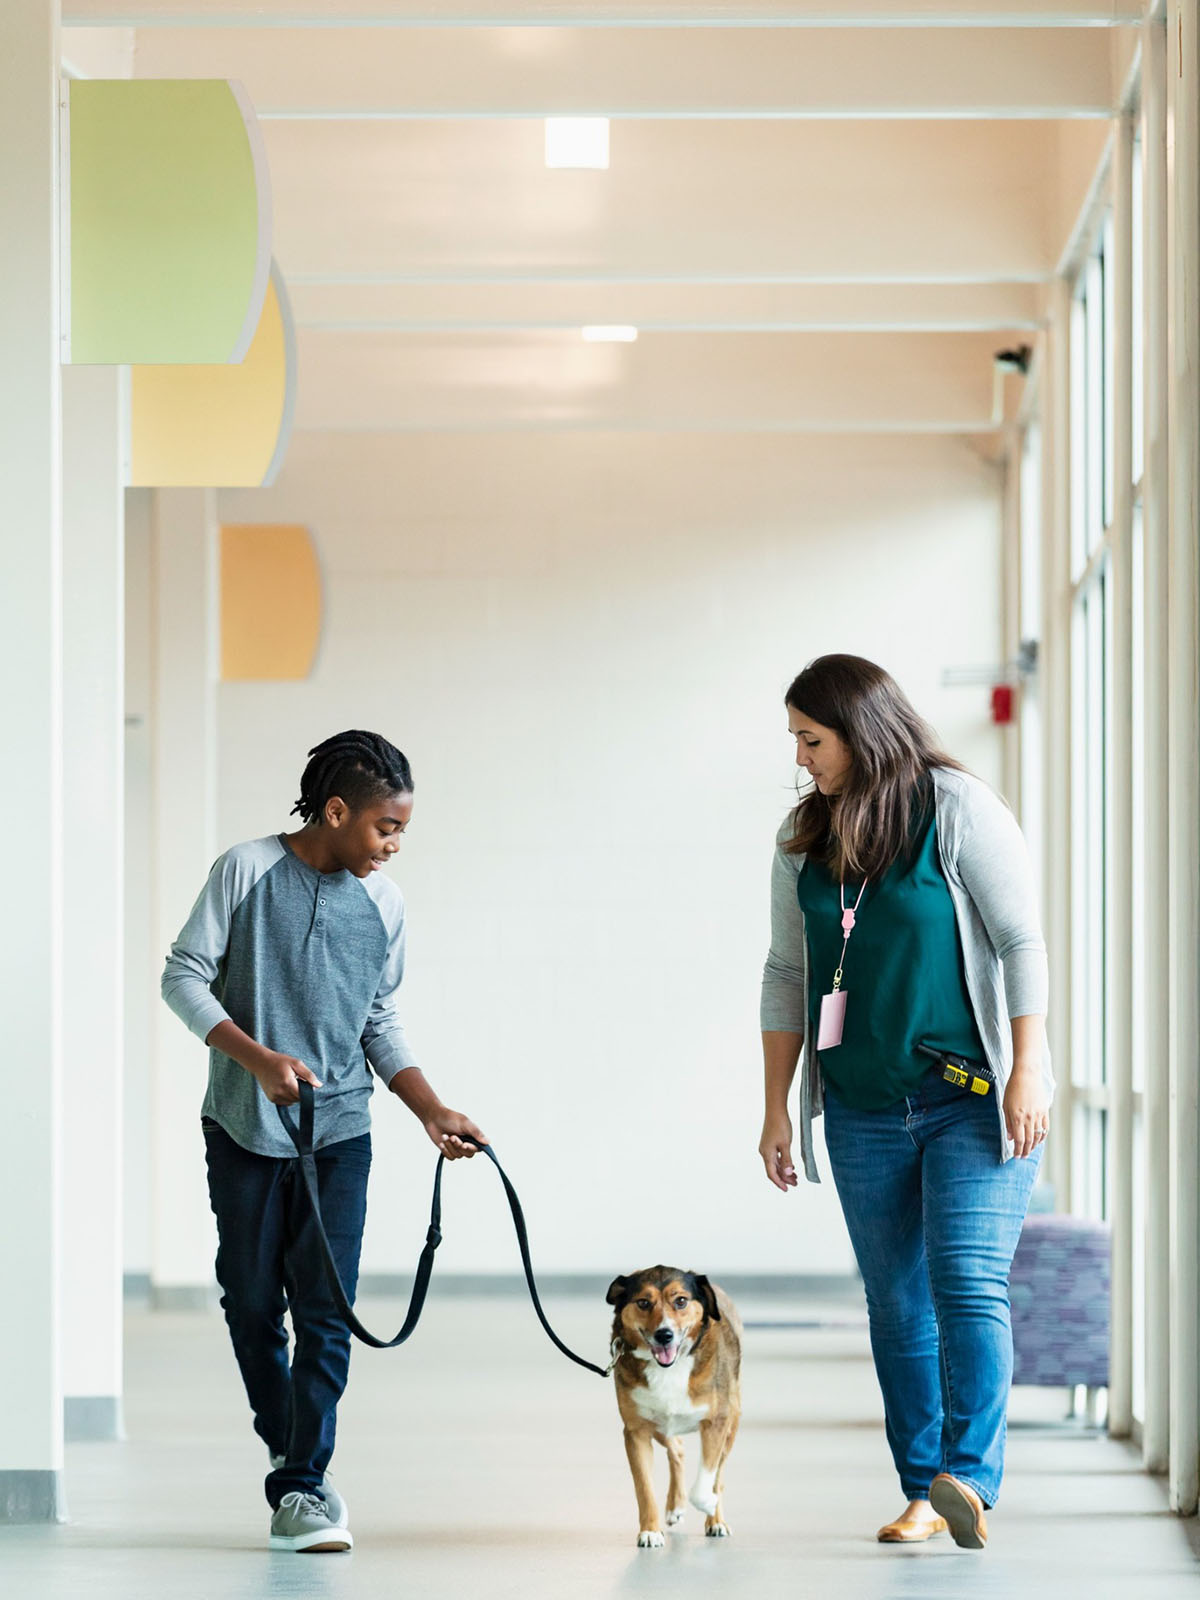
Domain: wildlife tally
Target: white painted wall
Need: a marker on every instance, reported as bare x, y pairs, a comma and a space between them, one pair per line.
184, 665
94, 409
581, 641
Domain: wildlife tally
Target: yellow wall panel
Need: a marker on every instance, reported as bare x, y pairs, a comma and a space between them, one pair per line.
270, 601
200, 426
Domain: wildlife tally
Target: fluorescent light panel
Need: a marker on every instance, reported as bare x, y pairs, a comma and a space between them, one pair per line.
606, 333
577, 142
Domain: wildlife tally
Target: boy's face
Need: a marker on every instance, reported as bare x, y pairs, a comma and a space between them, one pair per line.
364, 841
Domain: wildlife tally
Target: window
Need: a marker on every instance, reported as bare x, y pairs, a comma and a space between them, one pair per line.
1137, 331
1137, 947
1094, 940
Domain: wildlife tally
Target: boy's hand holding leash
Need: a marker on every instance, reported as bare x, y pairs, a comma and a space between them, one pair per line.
277, 1074
445, 1128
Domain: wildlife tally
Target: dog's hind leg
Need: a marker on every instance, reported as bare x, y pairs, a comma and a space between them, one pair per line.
676, 1493
639, 1447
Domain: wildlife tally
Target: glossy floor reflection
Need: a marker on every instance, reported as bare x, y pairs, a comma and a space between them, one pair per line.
476, 1460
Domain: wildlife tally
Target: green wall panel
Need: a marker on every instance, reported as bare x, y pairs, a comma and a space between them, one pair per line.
169, 228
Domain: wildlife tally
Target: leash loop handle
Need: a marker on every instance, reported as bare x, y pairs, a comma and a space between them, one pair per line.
301, 1137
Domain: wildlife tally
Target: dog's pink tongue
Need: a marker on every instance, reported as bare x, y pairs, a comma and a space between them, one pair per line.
664, 1357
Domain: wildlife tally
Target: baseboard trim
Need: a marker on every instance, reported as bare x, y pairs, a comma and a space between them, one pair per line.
182, 1297
88, 1418
450, 1285
138, 1290
32, 1497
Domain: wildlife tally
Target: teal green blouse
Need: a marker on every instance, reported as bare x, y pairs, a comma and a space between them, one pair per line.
903, 975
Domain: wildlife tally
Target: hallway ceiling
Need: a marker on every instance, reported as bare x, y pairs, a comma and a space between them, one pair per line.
819, 217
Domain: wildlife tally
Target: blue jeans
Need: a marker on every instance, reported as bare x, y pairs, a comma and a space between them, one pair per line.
934, 1216
267, 1262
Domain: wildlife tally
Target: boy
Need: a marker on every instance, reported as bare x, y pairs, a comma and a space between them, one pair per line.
288, 968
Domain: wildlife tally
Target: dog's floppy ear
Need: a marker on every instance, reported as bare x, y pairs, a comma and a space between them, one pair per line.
707, 1297
616, 1291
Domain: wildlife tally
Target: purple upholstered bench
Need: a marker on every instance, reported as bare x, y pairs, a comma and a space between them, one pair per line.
1059, 1289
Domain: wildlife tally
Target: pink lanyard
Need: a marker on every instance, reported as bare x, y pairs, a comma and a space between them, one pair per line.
848, 915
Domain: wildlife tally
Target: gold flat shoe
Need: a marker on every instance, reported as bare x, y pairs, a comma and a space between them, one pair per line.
911, 1530
962, 1509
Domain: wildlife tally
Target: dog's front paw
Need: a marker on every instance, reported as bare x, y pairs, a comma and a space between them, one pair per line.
651, 1539
674, 1515
714, 1529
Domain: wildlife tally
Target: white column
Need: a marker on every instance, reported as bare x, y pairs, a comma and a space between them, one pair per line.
93, 896
31, 1431
1155, 518
183, 805
1054, 679
1184, 749
1119, 914
142, 1001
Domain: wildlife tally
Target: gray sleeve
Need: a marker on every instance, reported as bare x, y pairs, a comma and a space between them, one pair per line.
196, 956
383, 1039
993, 863
785, 975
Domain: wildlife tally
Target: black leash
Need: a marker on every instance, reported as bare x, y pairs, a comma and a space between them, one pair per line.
302, 1138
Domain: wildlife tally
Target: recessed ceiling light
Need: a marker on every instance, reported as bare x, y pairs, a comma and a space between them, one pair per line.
577, 142
613, 333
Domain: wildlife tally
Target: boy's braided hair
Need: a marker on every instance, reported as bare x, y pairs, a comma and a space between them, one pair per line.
359, 767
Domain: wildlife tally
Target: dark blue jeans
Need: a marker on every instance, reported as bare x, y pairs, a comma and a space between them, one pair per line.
267, 1262
934, 1216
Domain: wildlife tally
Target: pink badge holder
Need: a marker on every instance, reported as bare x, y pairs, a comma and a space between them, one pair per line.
832, 1019
833, 1005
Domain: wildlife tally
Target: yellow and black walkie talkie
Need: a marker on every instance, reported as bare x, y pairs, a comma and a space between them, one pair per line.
964, 1074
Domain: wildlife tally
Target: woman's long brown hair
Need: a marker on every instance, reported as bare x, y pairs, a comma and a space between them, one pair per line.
862, 830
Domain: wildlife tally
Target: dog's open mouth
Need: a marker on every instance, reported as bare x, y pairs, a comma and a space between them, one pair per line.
665, 1354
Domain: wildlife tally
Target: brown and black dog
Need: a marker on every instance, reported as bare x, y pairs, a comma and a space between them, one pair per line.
677, 1340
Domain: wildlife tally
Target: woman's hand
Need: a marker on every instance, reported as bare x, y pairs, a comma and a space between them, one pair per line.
1026, 1109
775, 1148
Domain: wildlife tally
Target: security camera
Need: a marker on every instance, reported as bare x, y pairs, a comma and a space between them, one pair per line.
1014, 360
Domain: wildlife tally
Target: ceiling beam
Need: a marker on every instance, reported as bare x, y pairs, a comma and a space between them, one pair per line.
604, 13
754, 382
707, 202
676, 307
497, 72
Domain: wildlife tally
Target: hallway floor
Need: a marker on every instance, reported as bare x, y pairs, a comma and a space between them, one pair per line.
477, 1461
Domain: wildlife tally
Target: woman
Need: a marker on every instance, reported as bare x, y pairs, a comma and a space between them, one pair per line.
906, 953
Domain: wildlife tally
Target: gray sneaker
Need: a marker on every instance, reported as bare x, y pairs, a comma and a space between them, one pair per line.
302, 1523
338, 1514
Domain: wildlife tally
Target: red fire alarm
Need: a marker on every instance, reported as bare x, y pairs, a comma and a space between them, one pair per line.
1002, 704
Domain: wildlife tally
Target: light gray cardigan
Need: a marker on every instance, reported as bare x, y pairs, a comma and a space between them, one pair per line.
986, 863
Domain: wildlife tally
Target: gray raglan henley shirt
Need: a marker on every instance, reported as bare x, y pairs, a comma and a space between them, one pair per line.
304, 962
